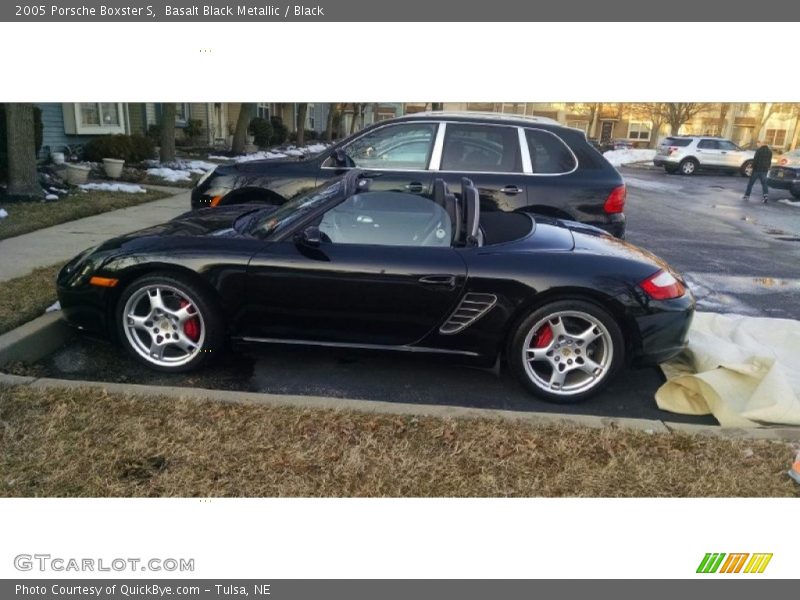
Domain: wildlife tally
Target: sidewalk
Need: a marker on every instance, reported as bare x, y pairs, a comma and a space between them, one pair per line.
21, 255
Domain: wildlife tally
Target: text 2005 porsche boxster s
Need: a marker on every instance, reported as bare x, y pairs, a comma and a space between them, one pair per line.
565, 303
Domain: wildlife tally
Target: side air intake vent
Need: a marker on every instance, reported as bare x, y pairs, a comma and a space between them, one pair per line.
471, 308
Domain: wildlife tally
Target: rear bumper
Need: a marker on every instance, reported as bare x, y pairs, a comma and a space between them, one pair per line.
663, 161
783, 183
613, 224
664, 330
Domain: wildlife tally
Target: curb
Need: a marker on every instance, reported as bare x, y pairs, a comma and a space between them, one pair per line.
404, 409
34, 340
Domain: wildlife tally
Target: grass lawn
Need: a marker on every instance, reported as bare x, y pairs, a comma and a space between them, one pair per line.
25, 298
24, 217
91, 443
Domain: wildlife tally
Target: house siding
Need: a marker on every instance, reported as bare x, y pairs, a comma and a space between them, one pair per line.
53, 136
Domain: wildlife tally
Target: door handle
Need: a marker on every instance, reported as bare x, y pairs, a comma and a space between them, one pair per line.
511, 189
448, 281
415, 187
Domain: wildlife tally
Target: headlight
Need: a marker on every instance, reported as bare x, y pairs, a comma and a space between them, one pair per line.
204, 177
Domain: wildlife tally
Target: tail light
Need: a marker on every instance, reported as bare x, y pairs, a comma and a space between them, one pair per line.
783, 161
615, 203
662, 285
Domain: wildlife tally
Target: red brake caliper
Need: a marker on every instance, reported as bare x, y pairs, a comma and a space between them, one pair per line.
192, 327
543, 337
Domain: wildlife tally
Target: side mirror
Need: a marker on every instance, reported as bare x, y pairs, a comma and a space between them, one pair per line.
310, 237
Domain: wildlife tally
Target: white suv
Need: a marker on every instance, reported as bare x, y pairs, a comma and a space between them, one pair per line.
686, 154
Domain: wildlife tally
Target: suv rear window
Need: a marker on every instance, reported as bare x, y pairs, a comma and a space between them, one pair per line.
681, 142
549, 154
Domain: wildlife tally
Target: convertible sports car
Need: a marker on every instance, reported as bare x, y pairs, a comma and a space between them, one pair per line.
566, 304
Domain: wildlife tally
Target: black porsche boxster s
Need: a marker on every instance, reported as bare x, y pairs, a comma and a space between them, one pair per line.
566, 304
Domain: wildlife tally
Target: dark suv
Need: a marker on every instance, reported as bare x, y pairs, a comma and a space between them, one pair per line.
518, 163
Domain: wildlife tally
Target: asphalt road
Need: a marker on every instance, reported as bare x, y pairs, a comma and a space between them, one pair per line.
739, 257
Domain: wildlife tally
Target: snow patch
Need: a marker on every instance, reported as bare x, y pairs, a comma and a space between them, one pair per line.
3, 213
53, 307
171, 175
51, 197
126, 188
794, 203
626, 157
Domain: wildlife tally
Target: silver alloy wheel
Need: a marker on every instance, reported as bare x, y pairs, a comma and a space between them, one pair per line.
688, 167
748, 170
573, 358
155, 320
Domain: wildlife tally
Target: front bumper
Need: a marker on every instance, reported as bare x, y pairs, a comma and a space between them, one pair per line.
84, 306
783, 183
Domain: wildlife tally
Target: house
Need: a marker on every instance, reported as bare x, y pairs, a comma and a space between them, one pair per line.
744, 123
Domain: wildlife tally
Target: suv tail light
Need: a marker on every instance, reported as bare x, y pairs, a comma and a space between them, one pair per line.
615, 203
662, 286
783, 161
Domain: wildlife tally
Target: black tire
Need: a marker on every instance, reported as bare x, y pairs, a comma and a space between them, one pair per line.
688, 166
671, 170
208, 324
795, 192
746, 169
527, 373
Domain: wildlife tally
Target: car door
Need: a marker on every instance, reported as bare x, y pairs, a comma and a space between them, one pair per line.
489, 155
384, 273
709, 153
399, 154
733, 156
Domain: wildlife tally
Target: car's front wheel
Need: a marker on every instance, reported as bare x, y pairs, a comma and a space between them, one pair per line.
169, 322
747, 169
566, 351
688, 166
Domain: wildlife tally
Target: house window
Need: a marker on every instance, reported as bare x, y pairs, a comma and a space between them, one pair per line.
639, 130
775, 137
262, 110
181, 114
582, 125
93, 118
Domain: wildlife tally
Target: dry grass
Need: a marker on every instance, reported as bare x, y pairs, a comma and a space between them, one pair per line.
90, 443
25, 298
24, 217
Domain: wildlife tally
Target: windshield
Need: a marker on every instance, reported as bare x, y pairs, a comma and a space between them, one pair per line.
270, 222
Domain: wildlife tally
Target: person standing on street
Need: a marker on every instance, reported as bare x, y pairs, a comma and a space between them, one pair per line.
761, 164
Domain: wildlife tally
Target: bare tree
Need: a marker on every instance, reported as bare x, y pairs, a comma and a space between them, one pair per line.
333, 115
23, 180
242, 123
655, 113
678, 113
302, 112
724, 109
167, 141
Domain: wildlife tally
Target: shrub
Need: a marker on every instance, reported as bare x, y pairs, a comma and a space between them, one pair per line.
142, 148
193, 129
280, 133
130, 148
154, 133
262, 132
310, 136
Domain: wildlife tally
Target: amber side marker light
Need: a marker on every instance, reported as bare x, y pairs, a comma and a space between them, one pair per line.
215, 200
103, 281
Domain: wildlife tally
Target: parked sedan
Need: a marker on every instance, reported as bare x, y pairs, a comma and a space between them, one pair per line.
616, 145
528, 164
785, 174
566, 304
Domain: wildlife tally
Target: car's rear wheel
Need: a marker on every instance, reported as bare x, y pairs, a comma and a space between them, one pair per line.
688, 166
747, 169
567, 351
169, 322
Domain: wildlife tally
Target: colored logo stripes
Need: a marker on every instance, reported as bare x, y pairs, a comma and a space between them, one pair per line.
739, 562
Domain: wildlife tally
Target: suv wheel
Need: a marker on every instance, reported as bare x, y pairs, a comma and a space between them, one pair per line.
688, 166
747, 169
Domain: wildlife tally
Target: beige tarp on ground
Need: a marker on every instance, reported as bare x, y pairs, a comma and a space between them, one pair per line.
743, 370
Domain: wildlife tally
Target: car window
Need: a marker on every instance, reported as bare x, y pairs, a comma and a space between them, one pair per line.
726, 145
708, 144
680, 142
403, 146
387, 219
481, 148
549, 154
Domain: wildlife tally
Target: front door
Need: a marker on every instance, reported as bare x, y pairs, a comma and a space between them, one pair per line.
398, 154
384, 273
606, 131
709, 153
